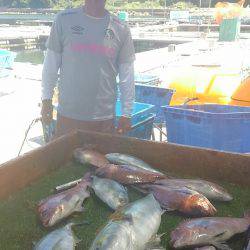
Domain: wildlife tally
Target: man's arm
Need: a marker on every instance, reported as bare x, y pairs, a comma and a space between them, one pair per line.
52, 63
126, 74
127, 89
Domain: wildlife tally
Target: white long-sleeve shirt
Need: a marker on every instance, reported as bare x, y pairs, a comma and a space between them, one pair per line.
51, 67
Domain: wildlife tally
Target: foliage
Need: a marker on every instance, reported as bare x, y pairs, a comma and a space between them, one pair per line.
111, 4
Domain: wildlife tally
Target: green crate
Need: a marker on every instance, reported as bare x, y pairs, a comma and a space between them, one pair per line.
229, 30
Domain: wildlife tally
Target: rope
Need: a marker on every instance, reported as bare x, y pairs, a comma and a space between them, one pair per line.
34, 121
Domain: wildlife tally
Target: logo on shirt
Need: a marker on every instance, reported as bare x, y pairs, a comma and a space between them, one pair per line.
109, 34
77, 30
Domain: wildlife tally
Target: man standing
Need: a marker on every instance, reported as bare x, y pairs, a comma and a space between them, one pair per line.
90, 47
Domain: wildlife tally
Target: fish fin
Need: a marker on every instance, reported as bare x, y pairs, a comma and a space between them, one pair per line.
155, 243
163, 211
167, 209
120, 216
77, 240
79, 208
221, 246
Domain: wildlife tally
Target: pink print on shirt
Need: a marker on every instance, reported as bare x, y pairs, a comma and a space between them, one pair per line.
93, 48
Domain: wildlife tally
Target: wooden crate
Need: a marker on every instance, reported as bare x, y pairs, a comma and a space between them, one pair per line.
177, 159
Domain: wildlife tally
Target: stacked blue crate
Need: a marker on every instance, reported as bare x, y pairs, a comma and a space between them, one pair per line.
156, 96
142, 119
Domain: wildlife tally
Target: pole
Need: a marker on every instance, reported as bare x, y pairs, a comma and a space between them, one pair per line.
165, 5
152, 10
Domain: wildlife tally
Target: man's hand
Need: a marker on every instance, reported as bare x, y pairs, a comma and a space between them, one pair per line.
47, 111
124, 125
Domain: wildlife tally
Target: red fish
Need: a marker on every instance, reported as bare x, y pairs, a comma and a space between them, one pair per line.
208, 231
56, 207
89, 156
127, 174
181, 199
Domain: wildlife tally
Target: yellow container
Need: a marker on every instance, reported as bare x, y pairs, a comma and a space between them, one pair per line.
241, 96
204, 86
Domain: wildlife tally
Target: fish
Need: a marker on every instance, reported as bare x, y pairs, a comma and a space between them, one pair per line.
214, 231
111, 192
62, 238
181, 199
205, 248
127, 174
209, 189
124, 159
89, 156
134, 227
59, 206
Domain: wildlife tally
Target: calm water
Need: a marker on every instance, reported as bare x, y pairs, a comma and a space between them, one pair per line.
37, 56
31, 56
46, 17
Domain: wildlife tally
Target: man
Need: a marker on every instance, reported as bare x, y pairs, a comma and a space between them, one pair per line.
90, 47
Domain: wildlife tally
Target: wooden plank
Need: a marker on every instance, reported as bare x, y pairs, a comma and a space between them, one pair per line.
22, 171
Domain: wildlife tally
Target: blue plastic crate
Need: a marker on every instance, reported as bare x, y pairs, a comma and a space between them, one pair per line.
143, 129
140, 111
6, 58
220, 127
156, 96
142, 121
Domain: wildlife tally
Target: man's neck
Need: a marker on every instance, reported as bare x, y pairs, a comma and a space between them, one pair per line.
94, 10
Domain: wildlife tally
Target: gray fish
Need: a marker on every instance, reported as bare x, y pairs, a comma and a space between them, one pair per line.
111, 192
123, 159
90, 156
131, 228
208, 231
62, 238
209, 189
59, 206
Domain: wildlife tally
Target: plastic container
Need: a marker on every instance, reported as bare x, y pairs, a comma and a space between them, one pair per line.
6, 58
143, 129
123, 15
139, 113
142, 119
156, 96
220, 127
229, 30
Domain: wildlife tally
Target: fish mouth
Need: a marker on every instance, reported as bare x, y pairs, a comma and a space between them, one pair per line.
176, 244
227, 197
